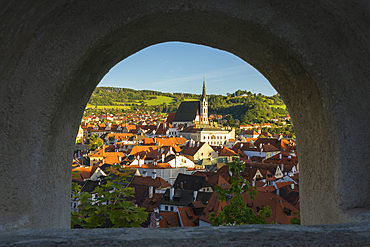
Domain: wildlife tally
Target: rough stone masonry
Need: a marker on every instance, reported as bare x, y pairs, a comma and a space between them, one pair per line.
316, 53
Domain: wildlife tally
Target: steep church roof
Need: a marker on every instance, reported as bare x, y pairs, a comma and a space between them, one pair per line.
204, 95
187, 111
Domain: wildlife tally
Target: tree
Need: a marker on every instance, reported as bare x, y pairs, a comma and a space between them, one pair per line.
110, 205
296, 221
229, 119
95, 142
236, 212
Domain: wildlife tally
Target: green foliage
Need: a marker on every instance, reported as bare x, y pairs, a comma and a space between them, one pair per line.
110, 204
236, 212
229, 119
296, 221
79, 141
241, 105
95, 142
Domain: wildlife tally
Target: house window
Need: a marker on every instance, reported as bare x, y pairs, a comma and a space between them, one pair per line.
166, 208
171, 208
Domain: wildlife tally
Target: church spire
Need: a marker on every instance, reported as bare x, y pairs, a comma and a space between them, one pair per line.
203, 116
204, 88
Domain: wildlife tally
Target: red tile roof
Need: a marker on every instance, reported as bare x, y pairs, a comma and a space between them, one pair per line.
192, 149
149, 181
83, 172
214, 179
226, 152
151, 203
214, 205
188, 217
281, 209
170, 219
170, 117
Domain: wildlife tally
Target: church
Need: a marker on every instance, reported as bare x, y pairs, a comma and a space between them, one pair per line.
190, 113
191, 122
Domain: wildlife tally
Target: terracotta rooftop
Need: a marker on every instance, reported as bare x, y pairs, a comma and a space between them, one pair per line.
282, 211
188, 217
149, 181
170, 219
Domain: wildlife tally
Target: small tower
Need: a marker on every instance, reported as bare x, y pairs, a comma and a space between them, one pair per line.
203, 116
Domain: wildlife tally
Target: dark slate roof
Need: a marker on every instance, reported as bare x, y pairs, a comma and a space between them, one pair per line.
187, 111
185, 197
89, 186
190, 182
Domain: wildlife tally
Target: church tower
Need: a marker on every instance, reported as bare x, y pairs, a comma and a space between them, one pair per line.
203, 116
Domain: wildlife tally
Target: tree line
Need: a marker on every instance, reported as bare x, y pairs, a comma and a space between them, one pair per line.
242, 104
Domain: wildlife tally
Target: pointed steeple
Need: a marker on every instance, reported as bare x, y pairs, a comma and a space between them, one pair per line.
204, 95
203, 106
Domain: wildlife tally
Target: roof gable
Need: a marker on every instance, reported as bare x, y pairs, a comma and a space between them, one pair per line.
187, 111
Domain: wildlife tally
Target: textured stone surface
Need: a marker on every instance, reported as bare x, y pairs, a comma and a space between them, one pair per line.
247, 235
316, 53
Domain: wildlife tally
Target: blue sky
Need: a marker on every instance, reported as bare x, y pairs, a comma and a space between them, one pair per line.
177, 67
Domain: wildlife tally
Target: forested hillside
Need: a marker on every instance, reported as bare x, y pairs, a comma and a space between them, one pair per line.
242, 105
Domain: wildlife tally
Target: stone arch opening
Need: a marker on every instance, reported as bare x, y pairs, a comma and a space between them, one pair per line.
54, 62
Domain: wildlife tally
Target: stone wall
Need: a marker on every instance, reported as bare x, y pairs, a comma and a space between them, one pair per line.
315, 53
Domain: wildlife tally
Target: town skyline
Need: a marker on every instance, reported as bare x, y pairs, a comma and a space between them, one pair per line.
178, 67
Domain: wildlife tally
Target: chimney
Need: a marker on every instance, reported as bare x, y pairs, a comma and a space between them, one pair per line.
150, 191
172, 192
280, 156
154, 175
292, 186
195, 194
282, 167
253, 182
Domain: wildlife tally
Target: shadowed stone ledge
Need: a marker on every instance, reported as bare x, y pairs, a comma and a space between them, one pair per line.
354, 234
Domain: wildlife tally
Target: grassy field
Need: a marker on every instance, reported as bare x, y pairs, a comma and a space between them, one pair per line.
109, 106
191, 99
159, 100
278, 106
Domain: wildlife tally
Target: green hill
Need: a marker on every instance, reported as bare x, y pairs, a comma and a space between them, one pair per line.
242, 105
